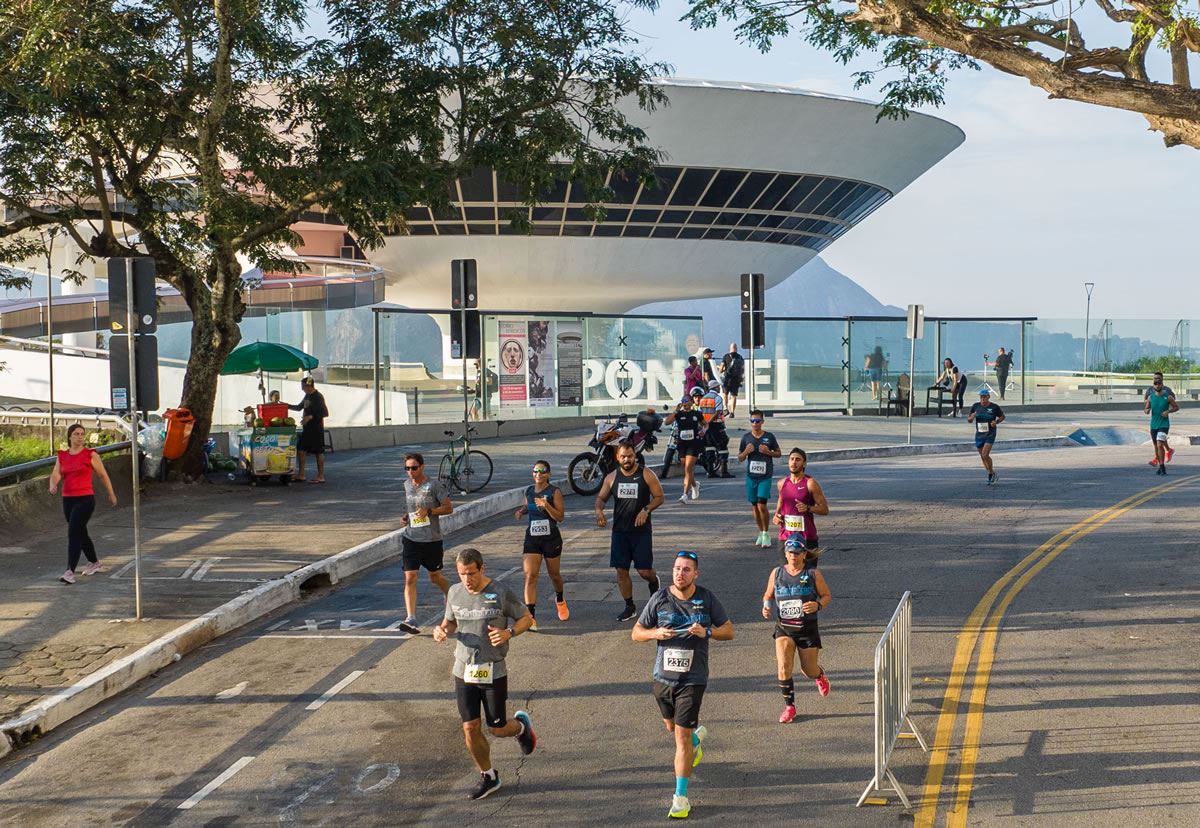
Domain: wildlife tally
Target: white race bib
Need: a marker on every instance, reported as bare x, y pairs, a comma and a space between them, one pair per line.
793, 523
687, 434
676, 660
790, 609
758, 467
625, 491
478, 673
539, 528
982, 426
418, 522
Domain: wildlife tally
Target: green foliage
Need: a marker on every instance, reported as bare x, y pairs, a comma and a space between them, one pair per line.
17, 450
1168, 364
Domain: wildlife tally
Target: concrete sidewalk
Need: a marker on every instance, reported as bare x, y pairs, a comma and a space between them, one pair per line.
205, 544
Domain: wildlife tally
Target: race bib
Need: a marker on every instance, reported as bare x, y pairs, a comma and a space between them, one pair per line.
793, 523
687, 434
478, 673
790, 609
676, 660
539, 528
626, 491
758, 467
983, 426
418, 522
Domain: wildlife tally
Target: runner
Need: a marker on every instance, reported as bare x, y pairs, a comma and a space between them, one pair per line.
681, 618
712, 407
799, 592
427, 502
690, 443
544, 508
800, 497
733, 371
483, 616
986, 415
759, 447
1160, 404
638, 494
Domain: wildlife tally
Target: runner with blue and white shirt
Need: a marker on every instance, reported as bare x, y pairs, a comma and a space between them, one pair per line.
799, 592
681, 619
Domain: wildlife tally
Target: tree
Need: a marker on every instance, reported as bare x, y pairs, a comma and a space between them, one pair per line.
920, 41
197, 134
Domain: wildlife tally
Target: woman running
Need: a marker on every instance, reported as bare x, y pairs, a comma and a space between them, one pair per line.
800, 497
799, 592
74, 468
544, 508
690, 443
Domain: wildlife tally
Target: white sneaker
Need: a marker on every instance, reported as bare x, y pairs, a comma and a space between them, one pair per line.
680, 808
93, 568
695, 491
683, 498
67, 577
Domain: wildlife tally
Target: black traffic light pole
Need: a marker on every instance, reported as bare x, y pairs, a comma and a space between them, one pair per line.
131, 332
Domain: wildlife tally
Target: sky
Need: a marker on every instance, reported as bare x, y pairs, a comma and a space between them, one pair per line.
1041, 197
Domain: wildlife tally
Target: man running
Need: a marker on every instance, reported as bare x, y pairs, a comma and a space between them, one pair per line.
1160, 404
483, 616
712, 408
544, 509
681, 618
638, 494
799, 592
690, 443
986, 415
427, 501
800, 497
733, 372
758, 450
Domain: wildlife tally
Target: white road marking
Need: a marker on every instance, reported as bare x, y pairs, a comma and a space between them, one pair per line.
187, 573
277, 625
194, 800
203, 570
400, 637
122, 570
354, 625
333, 691
233, 692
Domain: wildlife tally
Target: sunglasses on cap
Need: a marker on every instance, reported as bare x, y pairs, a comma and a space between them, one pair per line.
689, 555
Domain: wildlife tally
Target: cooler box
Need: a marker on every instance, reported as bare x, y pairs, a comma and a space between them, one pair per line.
267, 411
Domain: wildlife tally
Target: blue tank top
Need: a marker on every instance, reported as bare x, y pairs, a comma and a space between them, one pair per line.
540, 523
791, 591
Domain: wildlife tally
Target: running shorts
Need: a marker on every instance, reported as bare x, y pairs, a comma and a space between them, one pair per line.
1160, 434
733, 385
681, 704
982, 440
635, 548
805, 637
548, 546
690, 448
417, 554
492, 698
758, 491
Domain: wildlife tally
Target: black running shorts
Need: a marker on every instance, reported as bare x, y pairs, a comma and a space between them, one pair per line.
492, 698
417, 554
680, 705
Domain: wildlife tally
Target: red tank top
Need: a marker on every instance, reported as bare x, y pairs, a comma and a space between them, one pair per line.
789, 495
77, 472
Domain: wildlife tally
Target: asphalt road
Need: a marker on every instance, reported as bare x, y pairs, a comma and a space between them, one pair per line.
1089, 716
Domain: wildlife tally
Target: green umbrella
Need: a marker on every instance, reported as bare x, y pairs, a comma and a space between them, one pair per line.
268, 356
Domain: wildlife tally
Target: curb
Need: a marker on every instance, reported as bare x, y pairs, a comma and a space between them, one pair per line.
59, 707
936, 448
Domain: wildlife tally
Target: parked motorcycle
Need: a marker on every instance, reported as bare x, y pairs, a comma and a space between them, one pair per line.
588, 469
664, 471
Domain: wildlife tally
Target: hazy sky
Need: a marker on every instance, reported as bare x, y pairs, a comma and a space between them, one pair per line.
1042, 196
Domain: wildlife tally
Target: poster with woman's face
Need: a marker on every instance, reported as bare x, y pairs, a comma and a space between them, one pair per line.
512, 356
513, 337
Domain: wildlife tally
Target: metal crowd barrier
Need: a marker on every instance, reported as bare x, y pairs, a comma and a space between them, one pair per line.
893, 698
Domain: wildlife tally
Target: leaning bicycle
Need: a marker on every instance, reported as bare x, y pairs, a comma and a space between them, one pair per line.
467, 469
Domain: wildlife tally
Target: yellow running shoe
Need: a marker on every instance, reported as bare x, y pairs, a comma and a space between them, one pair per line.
680, 808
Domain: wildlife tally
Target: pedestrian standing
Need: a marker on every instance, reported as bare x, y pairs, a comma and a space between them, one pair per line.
733, 373
800, 497
426, 503
483, 616
1160, 404
544, 509
707, 368
312, 424
986, 415
716, 438
693, 375
74, 468
799, 592
680, 620
758, 451
638, 493
1003, 365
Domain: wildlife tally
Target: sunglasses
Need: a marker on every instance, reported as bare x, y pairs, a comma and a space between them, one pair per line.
412, 468
755, 421
541, 471
690, 555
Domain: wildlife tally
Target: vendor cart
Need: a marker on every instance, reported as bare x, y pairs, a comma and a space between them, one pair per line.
268, 452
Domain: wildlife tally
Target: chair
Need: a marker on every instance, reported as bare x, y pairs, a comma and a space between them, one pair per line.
899, 399
329, 441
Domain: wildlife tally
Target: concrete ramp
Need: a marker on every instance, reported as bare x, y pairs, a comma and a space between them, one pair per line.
1110, 436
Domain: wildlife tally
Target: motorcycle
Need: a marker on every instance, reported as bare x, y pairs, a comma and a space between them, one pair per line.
588, 469
664, 471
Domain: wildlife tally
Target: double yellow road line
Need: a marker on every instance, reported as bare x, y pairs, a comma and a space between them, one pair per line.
983, 627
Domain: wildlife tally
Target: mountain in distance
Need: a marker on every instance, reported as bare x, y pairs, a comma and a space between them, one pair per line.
814, 290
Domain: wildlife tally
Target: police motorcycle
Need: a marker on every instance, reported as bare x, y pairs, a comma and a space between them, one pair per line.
586, 472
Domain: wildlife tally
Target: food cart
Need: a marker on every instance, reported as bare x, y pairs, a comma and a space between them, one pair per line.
268, 452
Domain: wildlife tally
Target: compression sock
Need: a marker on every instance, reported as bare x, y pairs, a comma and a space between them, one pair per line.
532, 609
788, 688
629, 604
681, 783
653, 586
695, 740
559, 597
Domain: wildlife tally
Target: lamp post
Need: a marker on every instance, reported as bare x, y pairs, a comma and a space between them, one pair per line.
1087, 323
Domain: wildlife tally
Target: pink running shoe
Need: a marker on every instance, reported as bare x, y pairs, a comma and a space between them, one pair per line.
67, 577
822, 684
1153, 462
788, 714
93, 568
1170, 454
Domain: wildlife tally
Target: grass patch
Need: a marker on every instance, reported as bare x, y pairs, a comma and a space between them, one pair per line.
17, 450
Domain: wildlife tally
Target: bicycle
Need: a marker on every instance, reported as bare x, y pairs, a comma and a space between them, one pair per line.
469, 469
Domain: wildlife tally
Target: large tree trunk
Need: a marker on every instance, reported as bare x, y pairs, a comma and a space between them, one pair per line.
212, 341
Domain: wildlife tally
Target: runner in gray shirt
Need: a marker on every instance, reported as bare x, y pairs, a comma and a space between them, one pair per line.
426, 502
483, 616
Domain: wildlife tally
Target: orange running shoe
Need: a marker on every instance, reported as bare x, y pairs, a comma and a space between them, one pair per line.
563, 612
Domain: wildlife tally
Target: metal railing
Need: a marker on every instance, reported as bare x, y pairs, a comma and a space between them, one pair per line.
46, 462
893, 698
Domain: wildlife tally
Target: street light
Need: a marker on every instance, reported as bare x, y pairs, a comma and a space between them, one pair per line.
1087, 323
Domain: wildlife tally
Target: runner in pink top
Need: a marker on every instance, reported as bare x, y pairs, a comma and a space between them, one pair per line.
800, 497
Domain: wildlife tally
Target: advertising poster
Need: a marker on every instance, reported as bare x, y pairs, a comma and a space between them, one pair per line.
512, 363
541, 365
570, 363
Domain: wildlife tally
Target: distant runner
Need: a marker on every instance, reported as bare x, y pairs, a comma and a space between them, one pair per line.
800, 497
758, 450
690, 443
544, 509
427, 501
799, 592
483, 616
986, 415
1160, 404
681, 619
638, 494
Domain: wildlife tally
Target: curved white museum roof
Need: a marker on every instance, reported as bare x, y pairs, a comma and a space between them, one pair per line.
755, 177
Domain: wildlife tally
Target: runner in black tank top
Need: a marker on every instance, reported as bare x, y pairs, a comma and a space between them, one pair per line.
543, 510
638, 493
632, 496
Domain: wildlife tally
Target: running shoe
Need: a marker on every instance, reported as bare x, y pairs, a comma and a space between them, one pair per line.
698, 753
766, 540
1154, 462
67, 577
409, 626
680, 808
822, 684
991, 478
528, 739
563, 612
533, 626
92, 568
1170, 454
486, 787
627, 613
683, 498
695, 492
1162, 469
788, 714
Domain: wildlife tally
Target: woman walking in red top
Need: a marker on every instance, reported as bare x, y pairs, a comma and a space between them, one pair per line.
74, 468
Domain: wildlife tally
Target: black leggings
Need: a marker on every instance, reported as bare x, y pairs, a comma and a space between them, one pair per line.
78, 511
956, 396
